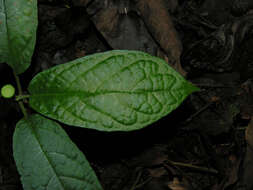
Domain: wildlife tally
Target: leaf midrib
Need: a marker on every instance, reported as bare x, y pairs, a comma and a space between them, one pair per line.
30, 124
89, 94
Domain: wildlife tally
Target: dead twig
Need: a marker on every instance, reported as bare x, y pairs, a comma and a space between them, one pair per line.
198, 112
137, 183
186, 165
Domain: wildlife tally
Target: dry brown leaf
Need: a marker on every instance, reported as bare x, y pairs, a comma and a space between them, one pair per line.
177, 185
249, 133
157, 172
159, 23
106, 21
161, 26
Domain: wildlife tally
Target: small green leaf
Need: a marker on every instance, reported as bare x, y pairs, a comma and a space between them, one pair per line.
47, 159
18, 24
113, 91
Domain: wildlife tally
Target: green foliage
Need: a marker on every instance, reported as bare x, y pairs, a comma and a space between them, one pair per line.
46, 158
113, 91
18, 24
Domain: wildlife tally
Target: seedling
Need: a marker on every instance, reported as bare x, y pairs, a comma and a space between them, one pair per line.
117, 90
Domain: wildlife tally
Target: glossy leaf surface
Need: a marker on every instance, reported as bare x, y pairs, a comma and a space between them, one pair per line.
18, 24
117, 90
47, 159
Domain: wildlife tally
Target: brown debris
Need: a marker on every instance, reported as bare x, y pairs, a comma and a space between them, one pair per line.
249, 133
178, 185
159, 23
106, 21
81, 2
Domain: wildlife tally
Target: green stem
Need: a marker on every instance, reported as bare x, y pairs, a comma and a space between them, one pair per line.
20, 103
18, 83
22, 107
22, 96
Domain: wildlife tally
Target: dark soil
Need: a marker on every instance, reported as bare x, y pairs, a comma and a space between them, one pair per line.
199, 146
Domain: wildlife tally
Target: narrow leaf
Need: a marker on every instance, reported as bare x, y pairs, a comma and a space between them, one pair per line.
47, 159
111, 91
18, 24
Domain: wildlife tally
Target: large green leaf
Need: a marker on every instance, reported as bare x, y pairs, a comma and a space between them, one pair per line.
47, 159
18, 24
111, 91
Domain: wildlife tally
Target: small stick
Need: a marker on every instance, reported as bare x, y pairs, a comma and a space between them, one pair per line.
203, 169
136, 180
136, 185
198, 112
143, 183
212, 85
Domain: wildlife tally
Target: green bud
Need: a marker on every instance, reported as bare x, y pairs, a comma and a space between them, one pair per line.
7, 91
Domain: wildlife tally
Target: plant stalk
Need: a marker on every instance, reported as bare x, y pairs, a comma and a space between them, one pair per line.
21, 97
22, 107
20, 103
18, 83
